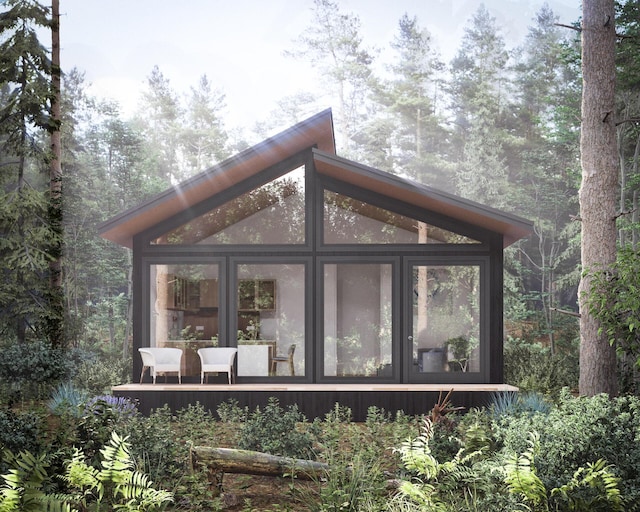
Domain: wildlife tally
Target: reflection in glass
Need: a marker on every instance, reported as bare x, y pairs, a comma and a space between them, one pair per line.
273, 213
271, 319
350, 221
446, 318
357, 320
184, 302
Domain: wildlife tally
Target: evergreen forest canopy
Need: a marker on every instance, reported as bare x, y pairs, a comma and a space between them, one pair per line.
496, 124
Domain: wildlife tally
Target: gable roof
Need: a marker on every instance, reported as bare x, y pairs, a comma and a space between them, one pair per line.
512, 227
315, 132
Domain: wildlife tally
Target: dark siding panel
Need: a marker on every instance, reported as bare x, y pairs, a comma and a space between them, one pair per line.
313, 404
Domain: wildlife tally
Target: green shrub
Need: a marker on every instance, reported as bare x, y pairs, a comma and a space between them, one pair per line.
196, 424
160, 445
30, 370
21, 431
348, 485
155, 447
531, 367
382, 432
579, 431
592, 488
275, 430
98, 373
103, 415
231, 412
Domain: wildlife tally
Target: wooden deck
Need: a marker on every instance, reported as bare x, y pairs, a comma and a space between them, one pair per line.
313, 400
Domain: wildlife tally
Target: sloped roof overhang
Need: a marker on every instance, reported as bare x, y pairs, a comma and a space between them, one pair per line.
512, 227
316, 131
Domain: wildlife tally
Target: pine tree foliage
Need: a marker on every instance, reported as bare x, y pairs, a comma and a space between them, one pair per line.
25, 69
28, 240
334, 44
496, 124
479, 89
203, 139
410, 101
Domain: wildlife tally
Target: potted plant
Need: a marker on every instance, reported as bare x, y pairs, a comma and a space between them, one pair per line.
459, 352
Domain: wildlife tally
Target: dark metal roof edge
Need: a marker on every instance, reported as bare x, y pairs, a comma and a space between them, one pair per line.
425, 190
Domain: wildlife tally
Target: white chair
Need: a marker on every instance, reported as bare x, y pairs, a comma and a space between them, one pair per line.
161, 360
217, 359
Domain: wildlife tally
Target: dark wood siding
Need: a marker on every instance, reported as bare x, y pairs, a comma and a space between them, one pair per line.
313, 404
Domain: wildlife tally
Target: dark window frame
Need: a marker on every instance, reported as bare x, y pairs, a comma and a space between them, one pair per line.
232, 309
315, 253
395, 262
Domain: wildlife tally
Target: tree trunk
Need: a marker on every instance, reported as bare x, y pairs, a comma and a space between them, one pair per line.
129, 320
55, 330
598, 190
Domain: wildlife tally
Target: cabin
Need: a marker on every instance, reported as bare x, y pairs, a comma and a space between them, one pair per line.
335, 282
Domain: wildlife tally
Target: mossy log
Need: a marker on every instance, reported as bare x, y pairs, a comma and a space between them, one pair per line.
219, 461
228, 460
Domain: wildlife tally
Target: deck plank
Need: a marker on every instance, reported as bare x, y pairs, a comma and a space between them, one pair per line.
280, 387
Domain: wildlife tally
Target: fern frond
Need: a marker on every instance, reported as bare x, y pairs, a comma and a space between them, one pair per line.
23, 488
521, 477
599, 477
116, 461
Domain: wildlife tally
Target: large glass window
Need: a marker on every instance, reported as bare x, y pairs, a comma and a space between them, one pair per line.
271, 319
350, 221
271, 214
357, 320
446, 318
184, 301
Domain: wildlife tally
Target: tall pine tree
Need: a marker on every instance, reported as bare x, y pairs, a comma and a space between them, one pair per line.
29, 244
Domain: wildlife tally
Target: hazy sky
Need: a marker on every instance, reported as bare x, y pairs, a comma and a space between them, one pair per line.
239, 44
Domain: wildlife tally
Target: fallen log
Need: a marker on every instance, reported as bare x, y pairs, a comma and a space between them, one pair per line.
219, 461
229, 460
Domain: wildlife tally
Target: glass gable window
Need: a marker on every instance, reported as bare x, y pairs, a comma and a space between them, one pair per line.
273, 213
357, 320
184, 302
270, 320
350, 221
446, 318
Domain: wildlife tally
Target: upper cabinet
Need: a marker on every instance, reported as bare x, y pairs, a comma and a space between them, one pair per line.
208, 293
188, 295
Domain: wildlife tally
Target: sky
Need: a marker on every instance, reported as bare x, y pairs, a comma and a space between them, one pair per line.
240, 44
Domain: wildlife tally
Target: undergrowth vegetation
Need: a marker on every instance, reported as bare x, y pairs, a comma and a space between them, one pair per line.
540, 449
523, 452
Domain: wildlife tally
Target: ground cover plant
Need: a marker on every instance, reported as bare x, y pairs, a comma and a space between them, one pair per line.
572, 451
524, 452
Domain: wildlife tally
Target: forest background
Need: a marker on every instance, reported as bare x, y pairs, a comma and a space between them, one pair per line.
497, 124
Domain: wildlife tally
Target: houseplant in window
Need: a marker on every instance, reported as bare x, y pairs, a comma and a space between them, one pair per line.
459, 350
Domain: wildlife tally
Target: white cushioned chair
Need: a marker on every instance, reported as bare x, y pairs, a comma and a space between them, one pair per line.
161, 360
217, 359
